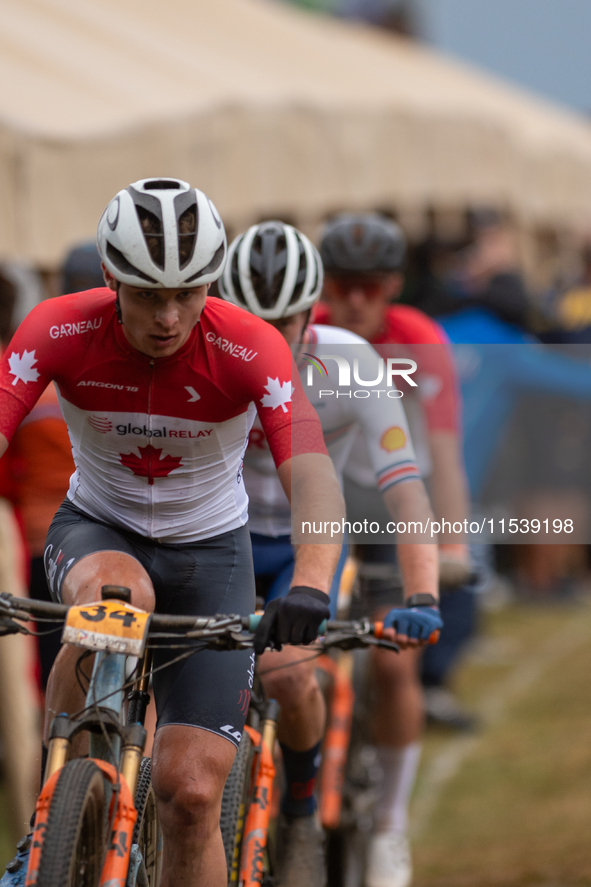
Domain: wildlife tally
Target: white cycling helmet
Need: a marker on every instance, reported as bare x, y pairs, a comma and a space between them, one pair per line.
273, 271
161, 233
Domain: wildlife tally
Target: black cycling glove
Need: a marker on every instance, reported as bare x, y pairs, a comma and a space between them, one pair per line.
294, 619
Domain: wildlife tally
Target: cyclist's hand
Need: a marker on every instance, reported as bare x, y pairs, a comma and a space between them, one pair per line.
294, 619
416, 624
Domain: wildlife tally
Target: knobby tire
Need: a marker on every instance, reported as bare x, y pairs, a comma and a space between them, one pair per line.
75, 839
235, 806
147, 833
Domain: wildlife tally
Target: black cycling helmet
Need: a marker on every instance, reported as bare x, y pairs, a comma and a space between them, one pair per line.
363, 243
273, 271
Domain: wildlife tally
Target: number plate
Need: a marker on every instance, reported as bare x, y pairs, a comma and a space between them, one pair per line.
110, 625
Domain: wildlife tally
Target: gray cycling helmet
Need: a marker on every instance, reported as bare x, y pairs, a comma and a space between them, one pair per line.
364, 243
162, 233
273, 271
82, 269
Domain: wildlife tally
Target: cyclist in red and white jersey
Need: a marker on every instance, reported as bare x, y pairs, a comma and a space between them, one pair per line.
159, 387
363, 256
274, 272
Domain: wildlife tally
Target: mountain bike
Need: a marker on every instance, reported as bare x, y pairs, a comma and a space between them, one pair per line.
350, 778
251, 844
96, 819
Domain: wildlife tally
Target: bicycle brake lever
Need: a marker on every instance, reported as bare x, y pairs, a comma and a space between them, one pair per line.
351, 642
385, 645
236, 640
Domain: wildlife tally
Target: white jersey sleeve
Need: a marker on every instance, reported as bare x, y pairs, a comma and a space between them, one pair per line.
361, 408
344, 412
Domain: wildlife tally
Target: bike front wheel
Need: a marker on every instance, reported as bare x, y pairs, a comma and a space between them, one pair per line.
147, 834
235, 805
75, 840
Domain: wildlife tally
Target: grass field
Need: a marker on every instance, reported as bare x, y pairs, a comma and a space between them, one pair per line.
509, 806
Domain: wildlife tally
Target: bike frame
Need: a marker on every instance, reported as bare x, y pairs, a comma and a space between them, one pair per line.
120, 767
256, 828
337, 737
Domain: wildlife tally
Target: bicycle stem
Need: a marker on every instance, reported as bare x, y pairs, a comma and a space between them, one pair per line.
139, 696
108, 677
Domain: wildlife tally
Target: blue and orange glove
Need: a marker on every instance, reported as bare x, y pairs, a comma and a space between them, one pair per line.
418, 619
293, 619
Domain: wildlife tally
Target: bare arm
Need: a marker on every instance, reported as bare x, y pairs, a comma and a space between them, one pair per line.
449, 494
311, 485
408, 502
3, 444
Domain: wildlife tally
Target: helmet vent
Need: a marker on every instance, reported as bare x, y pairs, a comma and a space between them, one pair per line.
120, 262
187, 228
268, 259
217, 260
236, 282
153, 233
300, 278
162, 185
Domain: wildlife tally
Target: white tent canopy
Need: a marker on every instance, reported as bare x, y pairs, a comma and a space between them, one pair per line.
266, 108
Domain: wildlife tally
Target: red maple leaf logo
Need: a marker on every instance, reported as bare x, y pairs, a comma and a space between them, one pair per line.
150, 463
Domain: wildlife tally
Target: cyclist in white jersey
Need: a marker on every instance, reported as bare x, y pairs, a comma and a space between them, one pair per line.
274, 272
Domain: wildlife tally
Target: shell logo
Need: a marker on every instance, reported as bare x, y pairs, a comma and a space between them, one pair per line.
393, 439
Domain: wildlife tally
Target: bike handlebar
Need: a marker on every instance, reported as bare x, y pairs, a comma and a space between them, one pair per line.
21, 607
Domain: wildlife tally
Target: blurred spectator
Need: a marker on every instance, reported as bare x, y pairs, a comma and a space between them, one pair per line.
571, 321
478, 296
7, 303
41, 463
28, 288
82, 269
477, 286
40, 459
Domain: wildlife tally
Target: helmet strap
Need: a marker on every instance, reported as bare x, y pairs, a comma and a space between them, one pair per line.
308, 316
118, 304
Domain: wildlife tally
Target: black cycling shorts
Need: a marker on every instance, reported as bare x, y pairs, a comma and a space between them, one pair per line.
211, 689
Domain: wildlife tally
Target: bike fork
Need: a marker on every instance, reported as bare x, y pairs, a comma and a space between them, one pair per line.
336, 742
256, 828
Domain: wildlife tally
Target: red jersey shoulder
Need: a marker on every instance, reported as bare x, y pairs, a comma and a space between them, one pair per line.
409, 326
251, 350
68, 316
35, 351
405, 325
320, 314
236, 332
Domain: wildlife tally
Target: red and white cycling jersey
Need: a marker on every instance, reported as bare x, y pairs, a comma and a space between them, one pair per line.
158, 442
